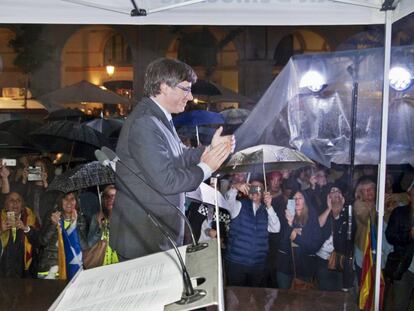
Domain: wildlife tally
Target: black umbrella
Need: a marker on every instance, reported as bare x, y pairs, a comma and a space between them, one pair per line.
21, 128
105, 126
84, 176
69, 137
12, 146
84, 91
66, 114
202, 87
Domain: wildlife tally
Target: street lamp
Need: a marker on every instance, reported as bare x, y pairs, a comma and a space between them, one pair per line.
110, 69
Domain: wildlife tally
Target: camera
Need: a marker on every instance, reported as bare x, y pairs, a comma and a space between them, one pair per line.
9, 162
255, 189
35, 173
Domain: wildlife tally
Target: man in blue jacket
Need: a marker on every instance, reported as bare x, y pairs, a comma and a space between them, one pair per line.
251, 220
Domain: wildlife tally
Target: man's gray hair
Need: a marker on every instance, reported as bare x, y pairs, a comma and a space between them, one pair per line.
168, 71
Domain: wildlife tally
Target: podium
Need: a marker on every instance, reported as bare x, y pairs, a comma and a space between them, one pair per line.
145, 283
31, 294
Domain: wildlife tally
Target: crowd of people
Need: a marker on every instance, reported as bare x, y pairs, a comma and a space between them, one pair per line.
308, 230
305, 227
32, 216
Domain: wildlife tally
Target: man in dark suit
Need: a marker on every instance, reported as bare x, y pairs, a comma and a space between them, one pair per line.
149, 144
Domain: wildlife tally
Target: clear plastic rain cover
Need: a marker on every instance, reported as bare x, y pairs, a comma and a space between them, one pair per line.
319, 124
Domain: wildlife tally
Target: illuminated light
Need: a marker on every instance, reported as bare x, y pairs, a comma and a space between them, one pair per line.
400, 78
312, 80
110, 70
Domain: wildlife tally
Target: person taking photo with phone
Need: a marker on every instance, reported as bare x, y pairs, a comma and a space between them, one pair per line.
300, 238
251, 221
19, 236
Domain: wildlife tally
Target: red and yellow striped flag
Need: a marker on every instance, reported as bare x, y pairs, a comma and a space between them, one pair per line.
367, 286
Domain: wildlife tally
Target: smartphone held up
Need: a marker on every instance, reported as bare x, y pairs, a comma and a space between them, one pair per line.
291, 207
35, 173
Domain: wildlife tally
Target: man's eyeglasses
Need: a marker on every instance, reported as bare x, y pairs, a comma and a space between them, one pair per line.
186, 89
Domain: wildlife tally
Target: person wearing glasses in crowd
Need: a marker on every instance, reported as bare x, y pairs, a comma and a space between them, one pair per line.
149, 145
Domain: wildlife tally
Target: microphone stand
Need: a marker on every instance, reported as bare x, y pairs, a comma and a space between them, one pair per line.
190, 295
195, 245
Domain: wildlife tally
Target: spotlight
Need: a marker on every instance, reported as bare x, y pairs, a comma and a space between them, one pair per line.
400, 78
313, 80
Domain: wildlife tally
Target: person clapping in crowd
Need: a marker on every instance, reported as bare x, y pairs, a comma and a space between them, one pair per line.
247, 246
19, 233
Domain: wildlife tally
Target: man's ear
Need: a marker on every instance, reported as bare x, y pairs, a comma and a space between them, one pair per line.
163, 88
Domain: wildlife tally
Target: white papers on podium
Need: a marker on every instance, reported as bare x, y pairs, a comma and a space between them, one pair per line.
147, 283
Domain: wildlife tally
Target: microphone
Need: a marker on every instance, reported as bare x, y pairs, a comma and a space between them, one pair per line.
112, 157
189, 295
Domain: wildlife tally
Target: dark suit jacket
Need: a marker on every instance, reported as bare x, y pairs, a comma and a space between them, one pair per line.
148, 145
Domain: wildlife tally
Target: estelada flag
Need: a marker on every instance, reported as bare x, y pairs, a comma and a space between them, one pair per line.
72, 248
367, 286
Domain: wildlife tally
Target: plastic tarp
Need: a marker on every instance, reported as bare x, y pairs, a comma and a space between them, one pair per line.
319, 124
209, 12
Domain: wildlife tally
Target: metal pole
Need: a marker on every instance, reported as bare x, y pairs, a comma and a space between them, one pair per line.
383, 154
220, 290
198, 137
352, 138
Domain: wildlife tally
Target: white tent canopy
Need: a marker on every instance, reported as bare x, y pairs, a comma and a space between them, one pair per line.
228, 12
193, 12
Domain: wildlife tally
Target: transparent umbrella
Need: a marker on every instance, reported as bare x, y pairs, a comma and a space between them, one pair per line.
265, 158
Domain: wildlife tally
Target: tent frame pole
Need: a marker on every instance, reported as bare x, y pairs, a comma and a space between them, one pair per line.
383, 153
